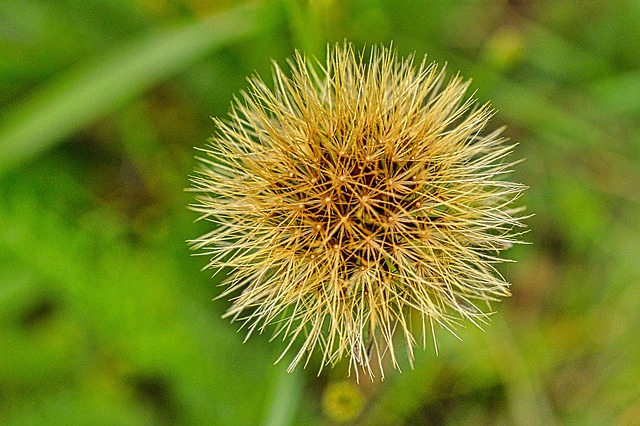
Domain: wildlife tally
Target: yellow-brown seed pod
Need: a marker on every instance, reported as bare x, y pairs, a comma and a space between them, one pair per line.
354, 193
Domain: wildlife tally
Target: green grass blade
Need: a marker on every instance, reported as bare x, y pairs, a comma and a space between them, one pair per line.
84, 94
285, 398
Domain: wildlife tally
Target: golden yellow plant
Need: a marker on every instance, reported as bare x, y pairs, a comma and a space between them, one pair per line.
357, 200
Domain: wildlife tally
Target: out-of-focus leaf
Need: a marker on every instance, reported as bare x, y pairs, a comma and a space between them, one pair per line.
84, 94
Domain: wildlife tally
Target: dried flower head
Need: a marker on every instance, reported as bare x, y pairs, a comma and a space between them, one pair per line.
355, 201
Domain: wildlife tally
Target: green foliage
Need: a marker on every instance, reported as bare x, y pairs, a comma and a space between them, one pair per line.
105, 318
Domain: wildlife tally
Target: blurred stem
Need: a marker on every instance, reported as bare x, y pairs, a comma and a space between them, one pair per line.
527, 401
401, 395
84, 94
281, 408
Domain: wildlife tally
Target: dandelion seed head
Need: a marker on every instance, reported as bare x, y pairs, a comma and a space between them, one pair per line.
358, 202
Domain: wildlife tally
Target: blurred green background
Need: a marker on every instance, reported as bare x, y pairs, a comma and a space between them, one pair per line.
106, 318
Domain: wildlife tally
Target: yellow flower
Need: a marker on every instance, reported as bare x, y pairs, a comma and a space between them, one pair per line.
358, 202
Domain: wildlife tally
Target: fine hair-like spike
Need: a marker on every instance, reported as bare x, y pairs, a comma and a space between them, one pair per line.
357, 203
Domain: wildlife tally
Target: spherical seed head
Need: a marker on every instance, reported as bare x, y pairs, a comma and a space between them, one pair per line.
358, 202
